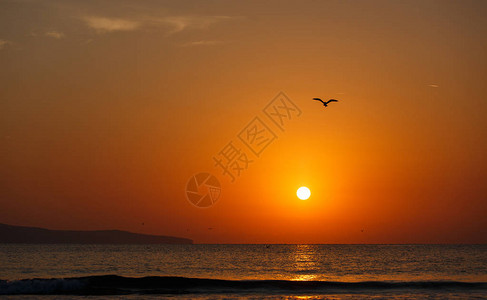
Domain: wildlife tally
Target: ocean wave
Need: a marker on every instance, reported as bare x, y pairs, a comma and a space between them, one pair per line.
119, 285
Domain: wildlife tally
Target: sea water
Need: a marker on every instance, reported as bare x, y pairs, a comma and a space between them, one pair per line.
244, 271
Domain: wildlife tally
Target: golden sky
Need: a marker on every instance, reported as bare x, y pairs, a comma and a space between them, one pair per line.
107, 109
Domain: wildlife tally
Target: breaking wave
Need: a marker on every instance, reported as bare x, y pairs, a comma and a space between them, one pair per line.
118, 285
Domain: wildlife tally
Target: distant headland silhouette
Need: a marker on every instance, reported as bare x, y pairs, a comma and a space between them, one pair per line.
34, 235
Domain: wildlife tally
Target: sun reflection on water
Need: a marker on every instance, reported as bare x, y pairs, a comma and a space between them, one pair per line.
305, 263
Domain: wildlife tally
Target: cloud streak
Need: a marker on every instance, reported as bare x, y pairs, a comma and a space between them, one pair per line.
54, 34
174, 24
104, 25
4, 43
202, 43
180, 23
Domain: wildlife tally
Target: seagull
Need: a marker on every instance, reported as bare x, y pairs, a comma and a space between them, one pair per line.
325, 103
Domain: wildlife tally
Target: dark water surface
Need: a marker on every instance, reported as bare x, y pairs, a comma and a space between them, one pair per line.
244, 271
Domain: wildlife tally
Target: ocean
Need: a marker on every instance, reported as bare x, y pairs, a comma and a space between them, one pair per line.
243, 271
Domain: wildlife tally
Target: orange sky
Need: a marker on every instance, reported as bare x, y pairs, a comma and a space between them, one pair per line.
106, 110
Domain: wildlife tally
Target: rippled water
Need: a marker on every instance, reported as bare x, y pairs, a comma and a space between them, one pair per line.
343, 263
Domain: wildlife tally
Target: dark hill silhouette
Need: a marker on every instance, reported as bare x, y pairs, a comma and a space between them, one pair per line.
33, 235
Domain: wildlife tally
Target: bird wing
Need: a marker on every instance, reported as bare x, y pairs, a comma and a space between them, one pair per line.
332, 100
318, 99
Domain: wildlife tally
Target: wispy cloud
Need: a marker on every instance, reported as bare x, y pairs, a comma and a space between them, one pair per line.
103, 24
180, 23
173, 24
4, 43
202, 43
54, 34
433, 85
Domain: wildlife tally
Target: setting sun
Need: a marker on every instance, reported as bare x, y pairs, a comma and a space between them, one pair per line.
303, 193
161, 146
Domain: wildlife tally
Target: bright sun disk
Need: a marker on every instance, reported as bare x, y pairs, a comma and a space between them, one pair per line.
303, 193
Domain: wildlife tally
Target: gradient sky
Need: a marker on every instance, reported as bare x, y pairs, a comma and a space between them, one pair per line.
107, 109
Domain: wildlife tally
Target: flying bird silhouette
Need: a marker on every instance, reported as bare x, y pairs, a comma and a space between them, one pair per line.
325, 103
